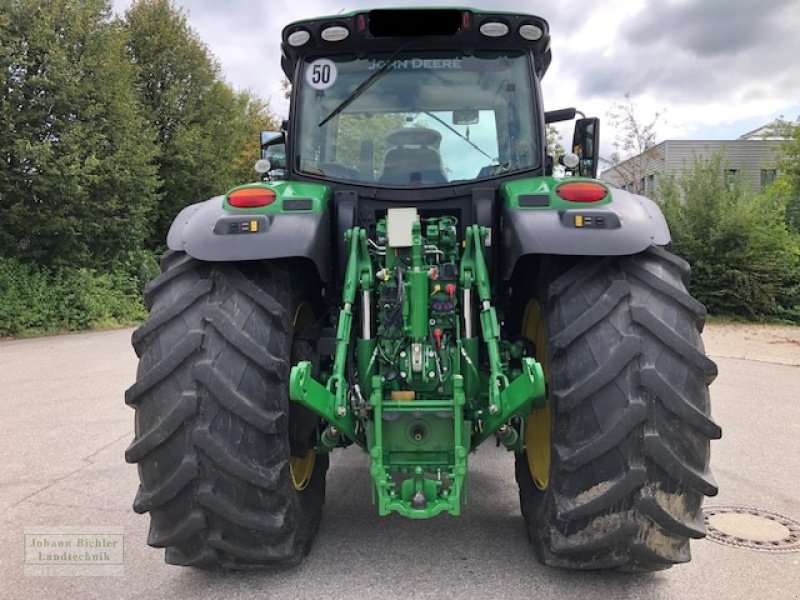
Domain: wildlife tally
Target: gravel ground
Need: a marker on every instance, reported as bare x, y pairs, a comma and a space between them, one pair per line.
65, 428
764, 343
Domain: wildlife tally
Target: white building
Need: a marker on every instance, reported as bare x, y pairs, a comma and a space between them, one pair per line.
753, 157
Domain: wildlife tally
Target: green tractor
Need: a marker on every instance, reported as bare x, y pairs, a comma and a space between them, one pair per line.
413, 275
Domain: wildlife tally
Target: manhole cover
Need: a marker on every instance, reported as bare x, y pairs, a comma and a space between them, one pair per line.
753, 528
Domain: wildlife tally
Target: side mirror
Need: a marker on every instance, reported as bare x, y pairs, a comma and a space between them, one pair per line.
276, 155
273, 149
271, 137
585, 143
562, 114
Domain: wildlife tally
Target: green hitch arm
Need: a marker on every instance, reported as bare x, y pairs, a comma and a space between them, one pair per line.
506, 400
330, 402
517, 399
474, 270
306, 390
358, 271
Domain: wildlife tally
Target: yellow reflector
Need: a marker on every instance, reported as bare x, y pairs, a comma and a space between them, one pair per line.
578, 221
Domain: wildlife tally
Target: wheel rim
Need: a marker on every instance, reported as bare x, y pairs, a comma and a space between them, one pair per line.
537, 424
303, 315
301, 469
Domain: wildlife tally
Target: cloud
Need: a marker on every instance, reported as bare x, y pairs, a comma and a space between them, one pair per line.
711, 27
711, 63
244, 35
699, 51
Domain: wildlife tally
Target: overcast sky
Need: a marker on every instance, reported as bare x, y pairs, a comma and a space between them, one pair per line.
719, 68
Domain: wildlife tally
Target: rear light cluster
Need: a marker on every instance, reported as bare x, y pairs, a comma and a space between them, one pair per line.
251, 197
582, 191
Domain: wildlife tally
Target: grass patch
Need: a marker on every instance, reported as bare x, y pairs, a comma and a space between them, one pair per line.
39, 301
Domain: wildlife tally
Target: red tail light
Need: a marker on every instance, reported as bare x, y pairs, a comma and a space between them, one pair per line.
582, 191
251, 197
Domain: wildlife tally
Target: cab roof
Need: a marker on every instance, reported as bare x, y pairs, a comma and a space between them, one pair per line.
387, 30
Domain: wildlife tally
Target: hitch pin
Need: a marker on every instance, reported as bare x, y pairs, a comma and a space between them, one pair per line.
508, 435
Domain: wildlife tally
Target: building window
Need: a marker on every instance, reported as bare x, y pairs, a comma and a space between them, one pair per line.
768, 176
651, 183
730, 175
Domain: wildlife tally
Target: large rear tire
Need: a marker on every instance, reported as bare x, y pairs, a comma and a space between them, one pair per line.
212, 417
630, 428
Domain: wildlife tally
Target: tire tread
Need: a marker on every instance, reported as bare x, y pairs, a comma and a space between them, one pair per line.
212, 431
629, 390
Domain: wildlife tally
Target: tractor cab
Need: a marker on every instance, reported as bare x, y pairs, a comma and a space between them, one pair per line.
415, 98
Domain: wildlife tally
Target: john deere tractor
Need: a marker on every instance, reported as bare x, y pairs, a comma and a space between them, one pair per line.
414, 275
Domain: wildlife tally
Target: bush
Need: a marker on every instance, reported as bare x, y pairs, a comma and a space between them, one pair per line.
34, 300
745, 262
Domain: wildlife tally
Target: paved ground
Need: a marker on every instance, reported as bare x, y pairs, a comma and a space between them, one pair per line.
65, 427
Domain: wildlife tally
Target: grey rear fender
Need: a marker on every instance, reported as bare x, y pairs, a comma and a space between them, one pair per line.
629, 224
207, 232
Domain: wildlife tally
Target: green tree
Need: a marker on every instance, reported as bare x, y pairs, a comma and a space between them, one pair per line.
251, 117
207, 133
788, 184
744, 260
356, 128
76, 182
175, 75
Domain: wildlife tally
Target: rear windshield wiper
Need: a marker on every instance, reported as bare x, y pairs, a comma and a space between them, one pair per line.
364, 86
459, 134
